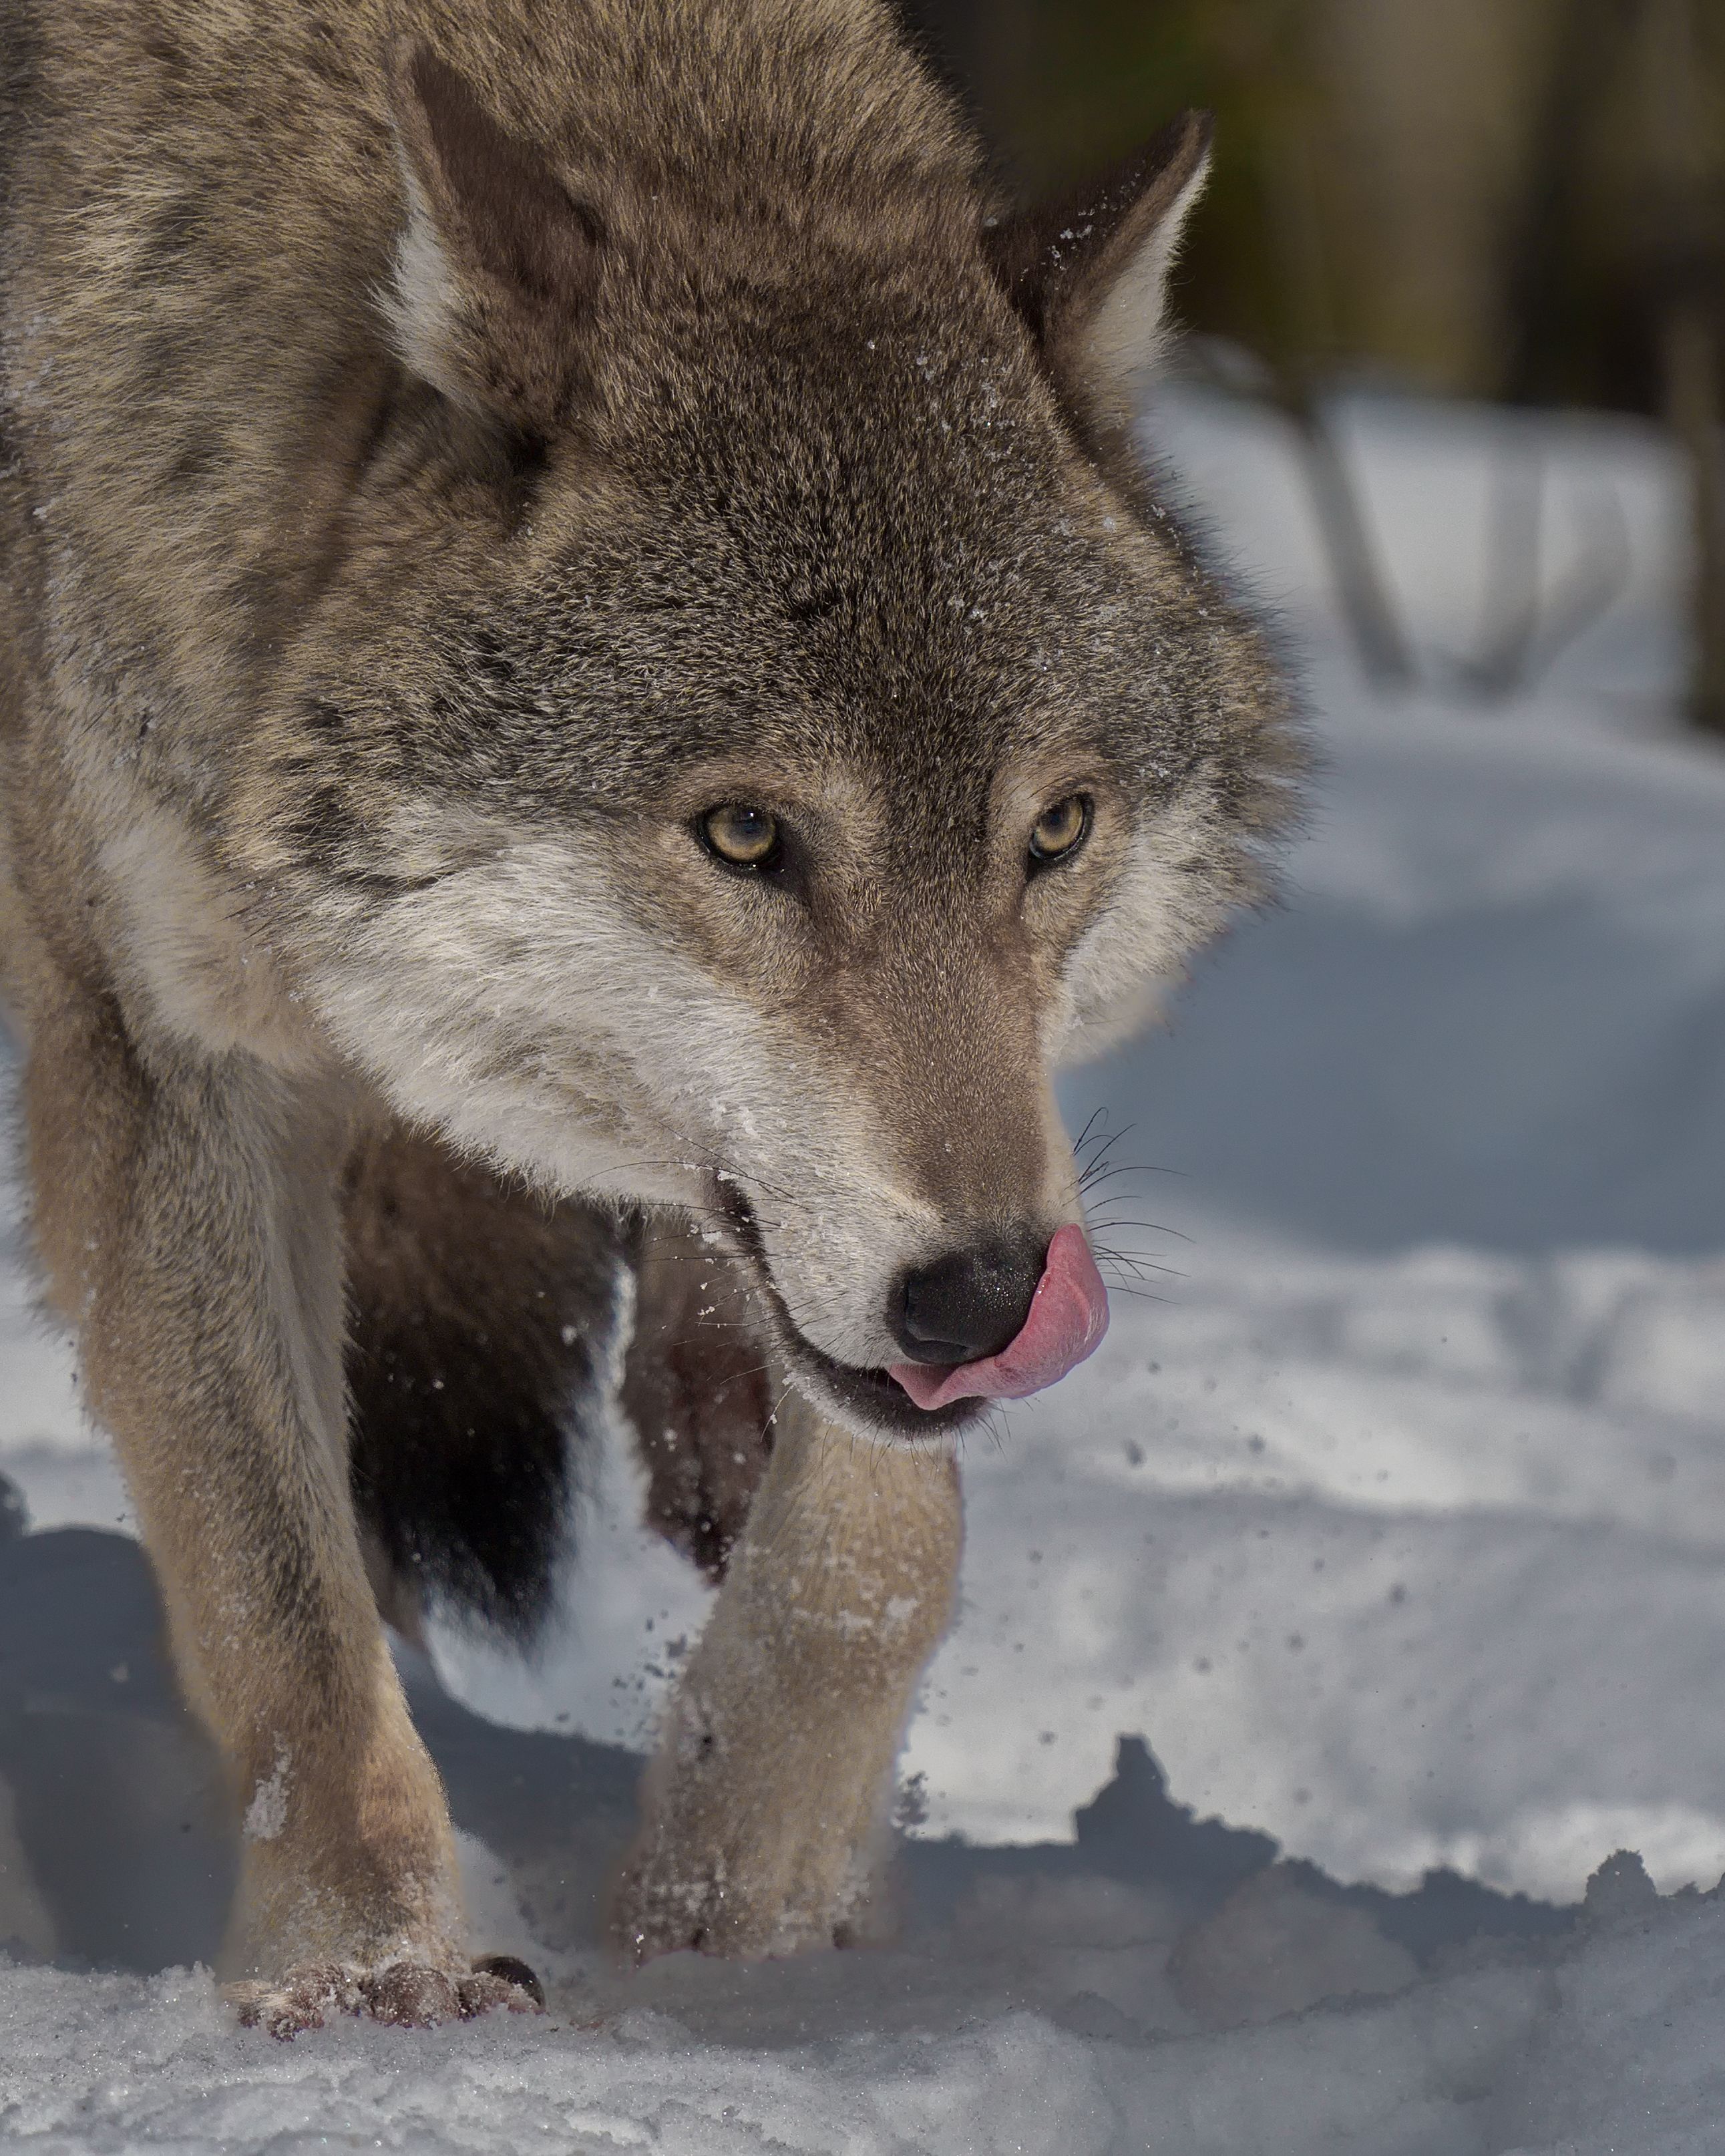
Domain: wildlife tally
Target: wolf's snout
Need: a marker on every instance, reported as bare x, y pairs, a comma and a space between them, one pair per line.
969, 1304
1064, 1321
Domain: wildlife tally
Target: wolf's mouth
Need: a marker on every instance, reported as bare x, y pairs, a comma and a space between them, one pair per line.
874, 1396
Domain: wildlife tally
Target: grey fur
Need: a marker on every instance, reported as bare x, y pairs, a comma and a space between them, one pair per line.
447, 449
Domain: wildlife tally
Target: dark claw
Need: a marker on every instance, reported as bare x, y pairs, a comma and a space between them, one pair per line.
506, 1968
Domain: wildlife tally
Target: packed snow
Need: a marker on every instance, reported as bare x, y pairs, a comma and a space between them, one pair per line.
1326, 1756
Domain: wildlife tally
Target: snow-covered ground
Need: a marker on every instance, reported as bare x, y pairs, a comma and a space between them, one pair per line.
1320, 1641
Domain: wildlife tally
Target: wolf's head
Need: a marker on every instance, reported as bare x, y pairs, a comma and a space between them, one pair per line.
768, 721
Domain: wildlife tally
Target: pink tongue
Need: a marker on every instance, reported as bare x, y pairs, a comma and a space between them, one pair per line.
1069, 1315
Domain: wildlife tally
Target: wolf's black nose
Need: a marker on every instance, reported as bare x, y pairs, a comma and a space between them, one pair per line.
969, 1304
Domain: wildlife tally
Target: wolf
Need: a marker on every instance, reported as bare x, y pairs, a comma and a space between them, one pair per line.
596, 694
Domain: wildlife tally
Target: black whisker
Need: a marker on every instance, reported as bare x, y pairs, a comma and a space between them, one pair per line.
1154, 1227
1096, 1115
1094, 1180
1105, 1148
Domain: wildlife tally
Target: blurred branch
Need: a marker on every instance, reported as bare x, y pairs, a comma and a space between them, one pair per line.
1526, 627
1599, 575
1293, 214
1368, 613
1515, 528
1385, 656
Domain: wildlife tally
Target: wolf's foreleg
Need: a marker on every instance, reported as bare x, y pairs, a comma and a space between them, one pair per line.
764, 1811
186, 1211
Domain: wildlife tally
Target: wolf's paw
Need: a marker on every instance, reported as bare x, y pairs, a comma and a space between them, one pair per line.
654, 1913
411, 1994
662, 1906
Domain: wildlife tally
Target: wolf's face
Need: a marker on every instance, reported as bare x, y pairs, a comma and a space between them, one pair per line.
750, 805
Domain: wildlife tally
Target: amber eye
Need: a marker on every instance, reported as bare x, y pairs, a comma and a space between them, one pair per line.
1060, 830
744, 838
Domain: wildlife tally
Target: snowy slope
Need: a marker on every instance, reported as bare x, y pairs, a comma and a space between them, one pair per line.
1395, 1527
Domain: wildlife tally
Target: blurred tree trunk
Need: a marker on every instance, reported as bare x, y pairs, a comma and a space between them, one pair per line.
1425, 119
1688, 344
1585, 54
1294, 219
985, 46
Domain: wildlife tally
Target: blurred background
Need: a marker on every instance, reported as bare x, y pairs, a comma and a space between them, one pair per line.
1520, 200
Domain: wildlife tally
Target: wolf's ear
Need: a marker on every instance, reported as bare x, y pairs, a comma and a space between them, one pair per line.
1090, 275
497, 267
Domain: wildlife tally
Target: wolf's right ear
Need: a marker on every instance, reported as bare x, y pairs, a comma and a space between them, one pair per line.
1089, 275
498, 265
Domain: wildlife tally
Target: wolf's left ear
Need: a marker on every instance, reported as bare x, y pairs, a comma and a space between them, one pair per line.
497, 268
1090, 275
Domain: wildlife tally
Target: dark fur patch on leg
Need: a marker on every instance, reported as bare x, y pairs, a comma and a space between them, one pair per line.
482, 1317
697, 1387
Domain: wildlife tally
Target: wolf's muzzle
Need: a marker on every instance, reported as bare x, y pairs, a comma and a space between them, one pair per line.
969, 1304
1065, 1321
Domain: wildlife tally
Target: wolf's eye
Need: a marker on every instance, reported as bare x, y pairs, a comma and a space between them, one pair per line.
1059, 831
741, 836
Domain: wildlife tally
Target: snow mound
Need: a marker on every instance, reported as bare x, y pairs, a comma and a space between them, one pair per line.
1613, 2045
